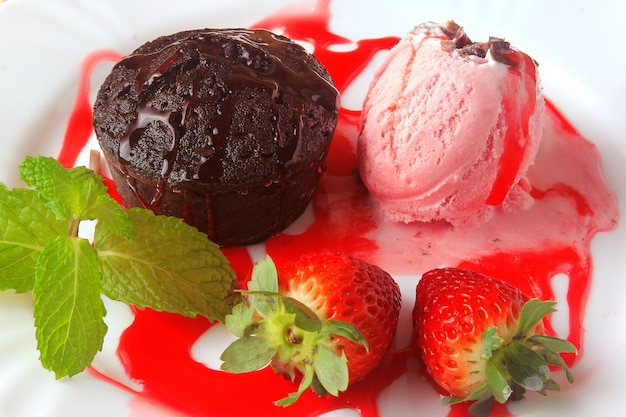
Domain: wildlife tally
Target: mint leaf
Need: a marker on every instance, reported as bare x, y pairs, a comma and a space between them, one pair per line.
74, 194
52, 182
110, 215
68, 309
25, 227
170, 266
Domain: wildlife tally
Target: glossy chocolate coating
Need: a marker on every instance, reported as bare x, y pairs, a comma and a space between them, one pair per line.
214, 121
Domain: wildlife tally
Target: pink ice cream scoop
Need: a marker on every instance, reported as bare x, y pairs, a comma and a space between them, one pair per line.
450, 127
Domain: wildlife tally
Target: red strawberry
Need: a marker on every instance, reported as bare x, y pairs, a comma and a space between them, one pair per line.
327, 317
481, 339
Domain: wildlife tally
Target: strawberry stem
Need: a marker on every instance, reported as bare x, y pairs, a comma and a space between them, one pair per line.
286, 333
519, 364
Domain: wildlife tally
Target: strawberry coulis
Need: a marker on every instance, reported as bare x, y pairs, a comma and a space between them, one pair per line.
521, 76
572, 202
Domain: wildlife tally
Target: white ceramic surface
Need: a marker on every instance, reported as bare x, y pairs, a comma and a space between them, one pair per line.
577, 43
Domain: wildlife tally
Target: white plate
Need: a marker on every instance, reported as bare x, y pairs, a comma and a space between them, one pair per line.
577, 43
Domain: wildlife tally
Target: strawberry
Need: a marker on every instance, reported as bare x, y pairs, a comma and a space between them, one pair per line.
482, 339
327, 318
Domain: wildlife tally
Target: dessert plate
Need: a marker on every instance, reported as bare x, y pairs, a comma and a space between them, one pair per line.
43, 43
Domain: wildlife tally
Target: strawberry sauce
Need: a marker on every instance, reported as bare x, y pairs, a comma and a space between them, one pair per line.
572, 202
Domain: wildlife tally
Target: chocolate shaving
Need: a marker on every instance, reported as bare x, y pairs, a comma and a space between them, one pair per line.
456, 34
475, 49
458, 39
499, 49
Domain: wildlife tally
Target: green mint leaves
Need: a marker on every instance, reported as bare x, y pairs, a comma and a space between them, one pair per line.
174, 267
281, 331
137, 258
75, 194
68, 309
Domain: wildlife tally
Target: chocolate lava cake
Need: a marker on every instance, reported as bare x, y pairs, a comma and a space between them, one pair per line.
226, 128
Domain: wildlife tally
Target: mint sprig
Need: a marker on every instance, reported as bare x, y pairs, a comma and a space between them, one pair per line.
136, 257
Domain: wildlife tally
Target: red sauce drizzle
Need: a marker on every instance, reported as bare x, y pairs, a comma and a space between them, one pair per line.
79, 127
520, 80
572, 203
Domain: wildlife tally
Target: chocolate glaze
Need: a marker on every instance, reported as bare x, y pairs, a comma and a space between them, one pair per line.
193, 117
